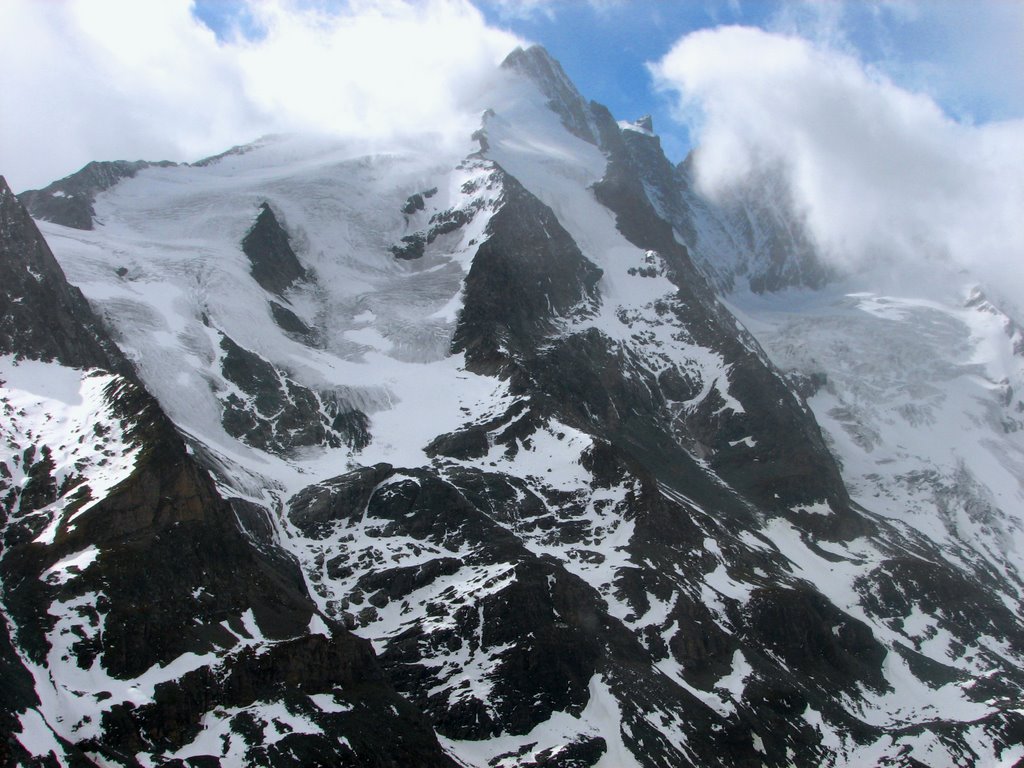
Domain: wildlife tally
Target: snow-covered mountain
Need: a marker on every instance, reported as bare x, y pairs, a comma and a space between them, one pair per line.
522, 453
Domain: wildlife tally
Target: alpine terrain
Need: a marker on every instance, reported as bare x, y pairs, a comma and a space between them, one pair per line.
521, 453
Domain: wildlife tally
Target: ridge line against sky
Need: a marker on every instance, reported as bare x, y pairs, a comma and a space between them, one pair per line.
75, 77
967, 56
898, 124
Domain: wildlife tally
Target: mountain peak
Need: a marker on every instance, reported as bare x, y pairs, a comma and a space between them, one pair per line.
538, 66
531, 55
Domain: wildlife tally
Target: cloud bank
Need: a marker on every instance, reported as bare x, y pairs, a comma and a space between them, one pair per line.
123, 79
881, 173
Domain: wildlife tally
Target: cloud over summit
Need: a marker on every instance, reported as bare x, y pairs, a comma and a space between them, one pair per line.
120, 79
880, 172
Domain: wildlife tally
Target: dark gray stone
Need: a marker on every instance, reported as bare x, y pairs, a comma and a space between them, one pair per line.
274, 264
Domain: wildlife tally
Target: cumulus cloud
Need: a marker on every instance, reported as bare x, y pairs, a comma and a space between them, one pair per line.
970, 57
879, 172
114, 79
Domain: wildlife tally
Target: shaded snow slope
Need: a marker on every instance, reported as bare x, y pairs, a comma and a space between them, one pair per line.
919, 394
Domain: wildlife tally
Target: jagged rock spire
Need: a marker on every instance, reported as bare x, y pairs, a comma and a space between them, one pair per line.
538, 65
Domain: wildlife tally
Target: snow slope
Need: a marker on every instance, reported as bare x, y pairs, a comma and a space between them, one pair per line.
384, 324
921, 405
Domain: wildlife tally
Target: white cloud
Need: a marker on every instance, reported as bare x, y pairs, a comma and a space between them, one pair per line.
881, 172
969, 56
122, 79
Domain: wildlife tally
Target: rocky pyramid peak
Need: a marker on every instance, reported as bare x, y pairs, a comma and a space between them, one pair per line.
537, 64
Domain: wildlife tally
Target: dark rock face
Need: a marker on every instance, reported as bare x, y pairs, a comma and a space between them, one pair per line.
417, 201
235, 151
546, 632
661, 180
278, 415
526, 276
469, 443
790, 463
412, 247
441, 222
899, 585
290, 322
810, 634
41, 315
166, 528
616, 553
582, 753
340, 668
16, 695
70, 201
770, 249
775, 248
274, 264
318, 507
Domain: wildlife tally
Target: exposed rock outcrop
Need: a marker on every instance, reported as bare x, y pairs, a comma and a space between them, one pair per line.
274, 264
70, 201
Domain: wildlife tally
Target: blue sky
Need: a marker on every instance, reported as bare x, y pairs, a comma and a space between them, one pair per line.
968, 55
